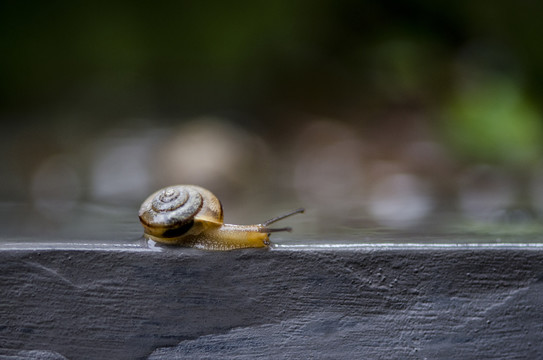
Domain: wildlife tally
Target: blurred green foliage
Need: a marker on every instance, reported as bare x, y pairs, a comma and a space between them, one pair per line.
99, 60
494, 121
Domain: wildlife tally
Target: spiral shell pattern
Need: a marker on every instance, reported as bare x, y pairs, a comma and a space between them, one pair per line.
173, 206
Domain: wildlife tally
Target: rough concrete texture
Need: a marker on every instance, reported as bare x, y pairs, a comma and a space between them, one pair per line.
365, 303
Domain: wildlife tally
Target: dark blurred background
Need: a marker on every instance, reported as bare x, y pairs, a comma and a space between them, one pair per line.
389, 110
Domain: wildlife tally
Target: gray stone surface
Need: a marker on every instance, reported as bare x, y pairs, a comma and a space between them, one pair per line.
371, 302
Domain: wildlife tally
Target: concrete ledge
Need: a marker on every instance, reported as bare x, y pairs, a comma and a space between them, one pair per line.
358, 301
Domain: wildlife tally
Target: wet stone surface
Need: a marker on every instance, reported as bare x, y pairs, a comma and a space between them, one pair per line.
413, 295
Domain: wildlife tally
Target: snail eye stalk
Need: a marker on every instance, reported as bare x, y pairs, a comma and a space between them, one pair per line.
265, 224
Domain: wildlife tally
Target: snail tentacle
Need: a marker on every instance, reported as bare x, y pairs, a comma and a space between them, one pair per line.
281, 217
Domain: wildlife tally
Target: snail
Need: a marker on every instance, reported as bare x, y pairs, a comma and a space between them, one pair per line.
190, 215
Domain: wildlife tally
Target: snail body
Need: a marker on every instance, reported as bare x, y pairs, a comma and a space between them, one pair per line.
192, 216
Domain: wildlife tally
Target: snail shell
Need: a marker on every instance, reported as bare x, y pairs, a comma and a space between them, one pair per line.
190, 215
172, 211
